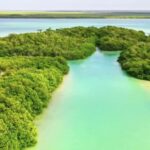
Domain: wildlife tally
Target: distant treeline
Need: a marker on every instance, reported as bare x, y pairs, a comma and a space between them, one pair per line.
32, 65
73, 14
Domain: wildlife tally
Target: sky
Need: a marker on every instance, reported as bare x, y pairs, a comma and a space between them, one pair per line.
75, 5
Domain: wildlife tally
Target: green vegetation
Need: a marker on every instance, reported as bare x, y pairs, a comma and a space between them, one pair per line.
47, 43
26, 87
32, 65
73, 14
107, 38
136, 61
116, 39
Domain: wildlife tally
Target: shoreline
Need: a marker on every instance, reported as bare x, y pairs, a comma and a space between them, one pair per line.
145, 84
76, 14
140, 18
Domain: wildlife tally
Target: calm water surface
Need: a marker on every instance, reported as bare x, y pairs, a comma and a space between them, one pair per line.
28, 25
97, 107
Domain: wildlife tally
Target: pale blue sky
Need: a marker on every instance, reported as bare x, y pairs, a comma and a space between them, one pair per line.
75, 5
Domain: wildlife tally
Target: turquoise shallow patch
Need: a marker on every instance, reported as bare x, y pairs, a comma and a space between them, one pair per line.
97, 107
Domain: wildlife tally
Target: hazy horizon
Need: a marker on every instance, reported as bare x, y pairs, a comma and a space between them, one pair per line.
75, 5
81, 10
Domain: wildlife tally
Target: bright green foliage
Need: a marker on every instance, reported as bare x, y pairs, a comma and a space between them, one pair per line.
26, 86
15, 63
17, 130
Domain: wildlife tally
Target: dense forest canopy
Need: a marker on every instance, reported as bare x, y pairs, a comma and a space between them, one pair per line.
32, 65
136, 61
47, 43
26, 87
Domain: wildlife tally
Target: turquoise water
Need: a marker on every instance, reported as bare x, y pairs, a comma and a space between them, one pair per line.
27, 25
97, 107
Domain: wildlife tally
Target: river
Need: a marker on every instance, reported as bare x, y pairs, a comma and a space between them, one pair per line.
98, 106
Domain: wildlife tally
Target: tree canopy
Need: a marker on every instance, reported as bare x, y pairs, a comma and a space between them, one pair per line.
32, 65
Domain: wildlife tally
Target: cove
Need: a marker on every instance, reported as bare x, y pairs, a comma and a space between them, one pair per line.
97, 107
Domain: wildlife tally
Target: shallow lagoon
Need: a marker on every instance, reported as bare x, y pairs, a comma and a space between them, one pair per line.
97, 107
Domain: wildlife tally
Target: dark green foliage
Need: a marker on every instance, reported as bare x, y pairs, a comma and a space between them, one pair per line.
114, 38
47, 43
107, 38
71, 43
136, 61
79, 32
